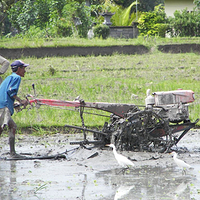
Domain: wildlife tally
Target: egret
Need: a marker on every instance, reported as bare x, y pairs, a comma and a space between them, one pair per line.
180, 163
122, 160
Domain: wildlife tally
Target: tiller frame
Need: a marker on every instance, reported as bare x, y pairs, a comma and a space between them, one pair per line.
131, 128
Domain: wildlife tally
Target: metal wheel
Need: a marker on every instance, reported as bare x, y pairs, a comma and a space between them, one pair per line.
142, 130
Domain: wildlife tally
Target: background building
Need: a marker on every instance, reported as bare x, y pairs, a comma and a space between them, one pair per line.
172, 5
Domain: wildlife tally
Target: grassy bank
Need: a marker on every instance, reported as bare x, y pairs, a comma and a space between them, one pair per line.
114, 79
66, 42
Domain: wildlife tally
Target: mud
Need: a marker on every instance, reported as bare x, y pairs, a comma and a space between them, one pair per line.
72, 51
96, 51
93, 173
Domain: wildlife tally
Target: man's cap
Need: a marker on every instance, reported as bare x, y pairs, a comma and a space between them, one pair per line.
18, 63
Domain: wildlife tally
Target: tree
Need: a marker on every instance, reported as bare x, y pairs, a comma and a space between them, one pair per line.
43, 13
4, 23
50, 17
22, 15
78, 16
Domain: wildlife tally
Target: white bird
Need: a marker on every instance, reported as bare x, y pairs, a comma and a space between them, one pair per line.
122, 160
180, 163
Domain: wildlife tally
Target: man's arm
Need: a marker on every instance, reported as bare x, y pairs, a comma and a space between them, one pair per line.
23, 102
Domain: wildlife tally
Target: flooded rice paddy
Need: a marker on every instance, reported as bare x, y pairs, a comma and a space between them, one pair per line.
94, 174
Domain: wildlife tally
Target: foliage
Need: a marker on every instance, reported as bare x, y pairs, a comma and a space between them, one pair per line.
52, 16
185, 23
149, 5
83, 12
62, 21
22, 15
123, 17
159, 29
153, 23
144, 6
33, 33
63, 28
126, 16
123, 3
101, 31
43, 13
197, 3
4, 22
78, 17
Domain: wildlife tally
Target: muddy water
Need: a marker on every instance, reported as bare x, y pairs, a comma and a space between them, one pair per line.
154, 177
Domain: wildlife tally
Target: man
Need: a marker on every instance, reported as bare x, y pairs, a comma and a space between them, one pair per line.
5, 65
8, 94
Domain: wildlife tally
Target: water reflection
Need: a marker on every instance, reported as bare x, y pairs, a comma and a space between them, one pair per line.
13, 182
122, 191
23, 180
148, 183
180, 190
84, 186
8, 183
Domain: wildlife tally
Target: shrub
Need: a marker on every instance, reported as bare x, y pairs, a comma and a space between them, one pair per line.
185, 24
64, 29
101, 31
160, 29
152, 23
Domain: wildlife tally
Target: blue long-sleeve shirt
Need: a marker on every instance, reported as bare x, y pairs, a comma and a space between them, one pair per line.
9, 88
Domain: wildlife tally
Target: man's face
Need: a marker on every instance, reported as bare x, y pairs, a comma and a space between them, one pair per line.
21, 71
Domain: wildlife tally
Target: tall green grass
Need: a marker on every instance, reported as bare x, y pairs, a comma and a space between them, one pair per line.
113, 79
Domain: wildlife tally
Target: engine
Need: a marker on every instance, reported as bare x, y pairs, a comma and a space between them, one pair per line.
171, 105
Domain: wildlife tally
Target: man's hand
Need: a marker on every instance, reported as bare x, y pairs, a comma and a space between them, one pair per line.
24, 103
17, 107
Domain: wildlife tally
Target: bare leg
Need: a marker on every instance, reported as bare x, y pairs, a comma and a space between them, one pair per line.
1, 130
12, 130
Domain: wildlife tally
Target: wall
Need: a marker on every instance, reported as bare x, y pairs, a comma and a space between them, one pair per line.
120, 31
172, 5
123, 31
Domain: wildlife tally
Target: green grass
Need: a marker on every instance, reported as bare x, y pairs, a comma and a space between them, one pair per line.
114, 79
64, 42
